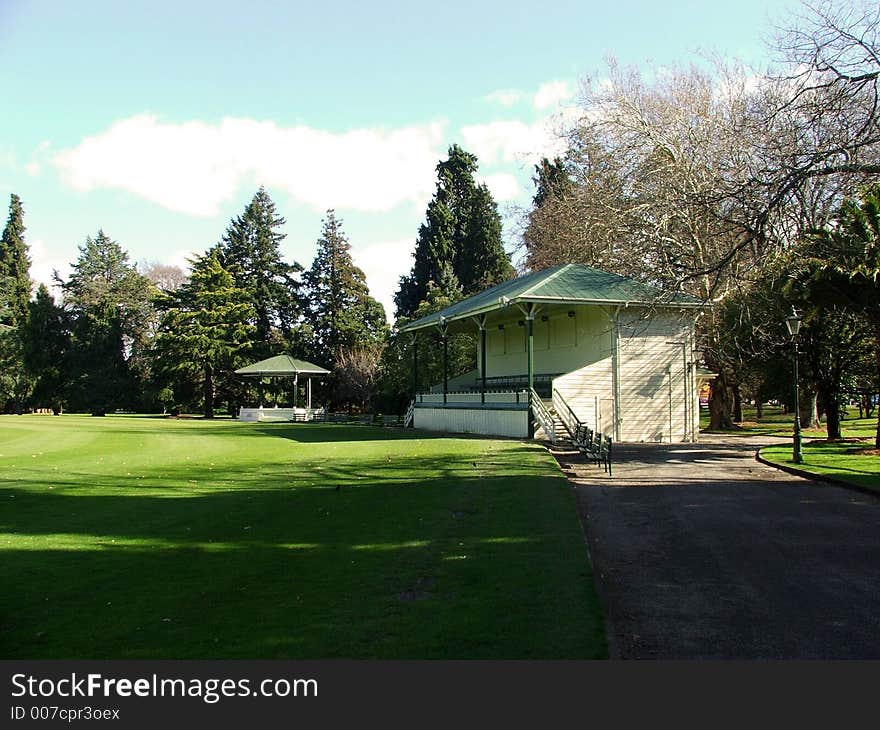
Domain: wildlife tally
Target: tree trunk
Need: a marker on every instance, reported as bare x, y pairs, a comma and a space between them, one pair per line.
719, 405
737, 405
809, 409
832, 416
759, 405
209, 391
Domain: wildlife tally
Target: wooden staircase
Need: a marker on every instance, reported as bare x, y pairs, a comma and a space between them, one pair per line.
561, 436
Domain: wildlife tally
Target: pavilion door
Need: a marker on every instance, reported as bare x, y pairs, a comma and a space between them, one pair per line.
605, 417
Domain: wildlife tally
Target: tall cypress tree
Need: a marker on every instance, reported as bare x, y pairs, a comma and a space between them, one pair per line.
340, 310
250, 252
462, 229
483, 262
15, 265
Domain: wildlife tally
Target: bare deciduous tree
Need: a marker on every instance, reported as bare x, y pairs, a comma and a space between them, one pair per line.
166, 277
357, 372
698, 180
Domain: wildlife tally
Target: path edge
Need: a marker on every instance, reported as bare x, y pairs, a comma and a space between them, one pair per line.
812, 476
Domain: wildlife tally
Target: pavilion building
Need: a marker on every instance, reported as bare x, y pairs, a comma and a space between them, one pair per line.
565, 346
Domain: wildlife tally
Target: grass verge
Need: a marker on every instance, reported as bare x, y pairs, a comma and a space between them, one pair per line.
844, 461
849, 460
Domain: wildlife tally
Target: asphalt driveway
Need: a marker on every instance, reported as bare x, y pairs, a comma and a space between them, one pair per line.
702, 552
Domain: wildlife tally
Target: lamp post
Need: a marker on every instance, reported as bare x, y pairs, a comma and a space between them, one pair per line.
793, 323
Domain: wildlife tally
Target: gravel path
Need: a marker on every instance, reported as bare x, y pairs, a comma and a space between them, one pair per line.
702, 552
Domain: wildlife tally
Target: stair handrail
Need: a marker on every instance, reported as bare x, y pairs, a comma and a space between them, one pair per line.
566, 414
543, 416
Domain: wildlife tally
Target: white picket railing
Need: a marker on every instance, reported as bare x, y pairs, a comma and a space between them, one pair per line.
409, 415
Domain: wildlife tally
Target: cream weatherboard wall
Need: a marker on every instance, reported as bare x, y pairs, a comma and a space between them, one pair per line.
654, 379
627, 374
562, 343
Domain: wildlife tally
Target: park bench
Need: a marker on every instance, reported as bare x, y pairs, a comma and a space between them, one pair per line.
594, 446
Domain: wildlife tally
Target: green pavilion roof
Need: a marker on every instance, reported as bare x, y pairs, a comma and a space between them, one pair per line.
281, 366
565, 284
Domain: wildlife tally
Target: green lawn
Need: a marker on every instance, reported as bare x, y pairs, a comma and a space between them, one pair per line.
841, 460
135, 537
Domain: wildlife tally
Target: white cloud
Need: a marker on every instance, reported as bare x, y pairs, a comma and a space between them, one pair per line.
383, 264
512, 141
502, 185
44, 263
552, 94
193, 167
32, 168
504, 97
182, 257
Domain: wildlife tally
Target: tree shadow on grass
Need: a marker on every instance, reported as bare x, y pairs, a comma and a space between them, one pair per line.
285, 565
334, 433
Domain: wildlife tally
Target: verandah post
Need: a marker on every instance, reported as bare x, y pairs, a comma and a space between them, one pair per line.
444, 331
530, 347
482, 325
415, 373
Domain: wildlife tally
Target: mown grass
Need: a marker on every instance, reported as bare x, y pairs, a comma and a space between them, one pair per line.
844, 460
841, 460
129, 537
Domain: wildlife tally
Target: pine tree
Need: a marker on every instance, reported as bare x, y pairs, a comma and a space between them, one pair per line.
551, 180
340, 310
205, 328
250, 251
15, 265
112, 315
462, 229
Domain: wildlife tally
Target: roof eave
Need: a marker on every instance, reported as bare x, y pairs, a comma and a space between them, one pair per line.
616, 302
436, 320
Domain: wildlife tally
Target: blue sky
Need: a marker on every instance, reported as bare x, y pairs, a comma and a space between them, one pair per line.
158, 120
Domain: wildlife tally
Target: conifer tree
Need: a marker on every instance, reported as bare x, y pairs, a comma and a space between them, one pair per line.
15, 265
250, 252
109, 303
340, 310
482, 261
462, 229
205, 327
45, 340
551, 180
